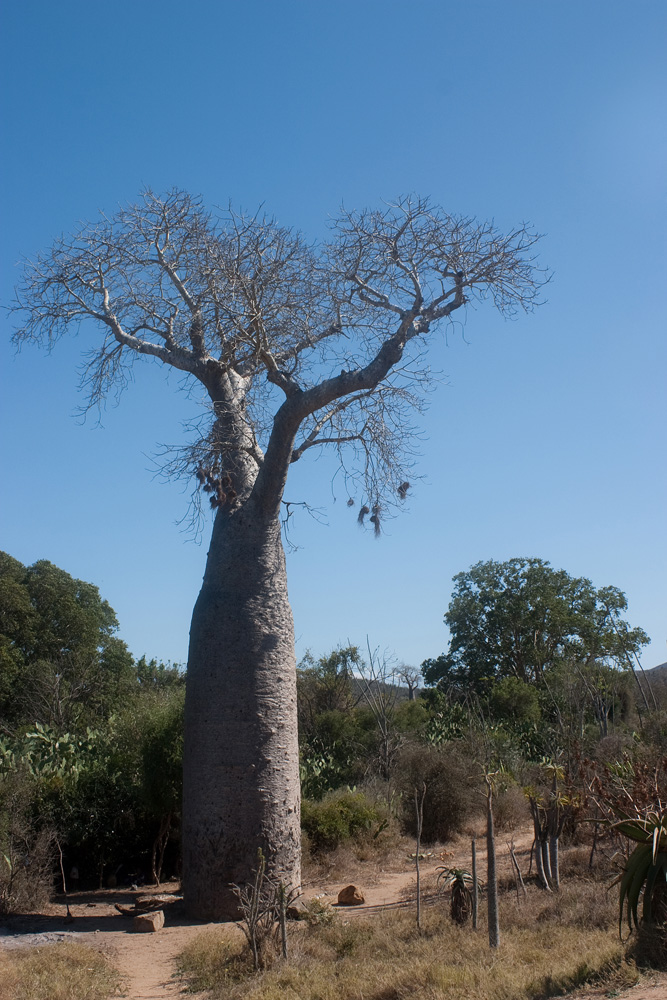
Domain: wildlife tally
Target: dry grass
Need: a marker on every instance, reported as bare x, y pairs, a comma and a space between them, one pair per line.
548, 945
511, 810
57, 972
361, 858
575, 864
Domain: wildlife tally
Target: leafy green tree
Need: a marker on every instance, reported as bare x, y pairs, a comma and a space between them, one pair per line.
520, 618
61, 662
71, 616
325, 685
515, 701
93, 742
154, 675
17, 624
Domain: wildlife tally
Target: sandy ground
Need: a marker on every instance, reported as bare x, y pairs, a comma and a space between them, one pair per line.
148, 961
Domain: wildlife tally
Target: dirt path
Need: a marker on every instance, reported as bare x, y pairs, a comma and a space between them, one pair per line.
652, 987
148, 961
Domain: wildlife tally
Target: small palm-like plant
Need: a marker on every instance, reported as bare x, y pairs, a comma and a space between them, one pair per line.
459, 880
646, 869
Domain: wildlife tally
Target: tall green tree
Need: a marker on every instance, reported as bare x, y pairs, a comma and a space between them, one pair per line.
61, 662
325, 685
520, 618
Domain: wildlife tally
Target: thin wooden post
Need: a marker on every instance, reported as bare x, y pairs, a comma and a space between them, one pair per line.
419, 811
492, 880
475, 885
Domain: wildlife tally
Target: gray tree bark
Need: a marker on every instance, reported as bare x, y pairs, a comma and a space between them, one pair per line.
254, 313
241, 766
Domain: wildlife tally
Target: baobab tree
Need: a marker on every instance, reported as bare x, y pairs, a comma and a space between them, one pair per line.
295, 346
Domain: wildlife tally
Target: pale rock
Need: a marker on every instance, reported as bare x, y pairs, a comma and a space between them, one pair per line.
148, 923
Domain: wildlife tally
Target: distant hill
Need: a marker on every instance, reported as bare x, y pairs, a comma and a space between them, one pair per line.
396, 691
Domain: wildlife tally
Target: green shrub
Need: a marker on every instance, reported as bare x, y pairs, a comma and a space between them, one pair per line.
338, 817
321, 770
515, 701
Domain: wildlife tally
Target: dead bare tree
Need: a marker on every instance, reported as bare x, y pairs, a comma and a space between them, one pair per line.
263, 904
380, 695
294, 348
518, 877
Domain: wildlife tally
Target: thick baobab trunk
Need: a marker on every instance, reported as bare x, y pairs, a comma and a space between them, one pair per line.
241, 767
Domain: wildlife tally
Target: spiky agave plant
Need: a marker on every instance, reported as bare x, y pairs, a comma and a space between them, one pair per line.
459, 880
646, 869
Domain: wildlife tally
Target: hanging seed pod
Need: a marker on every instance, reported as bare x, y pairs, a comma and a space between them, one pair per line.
375, 521
350, 502
362, 514
403, 489
201, 476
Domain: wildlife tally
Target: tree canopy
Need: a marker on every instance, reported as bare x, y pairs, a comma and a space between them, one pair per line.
521, 618
60, 658
246, 307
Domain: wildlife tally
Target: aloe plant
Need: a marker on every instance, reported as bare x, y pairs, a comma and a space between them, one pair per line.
460, 882
646, 869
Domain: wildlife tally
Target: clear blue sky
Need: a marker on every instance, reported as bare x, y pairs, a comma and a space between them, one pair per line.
547, 437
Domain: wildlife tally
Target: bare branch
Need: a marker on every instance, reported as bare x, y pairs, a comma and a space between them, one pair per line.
246, 307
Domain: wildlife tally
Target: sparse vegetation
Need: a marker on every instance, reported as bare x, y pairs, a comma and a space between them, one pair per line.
109, 791
386, 958
452, 779
57, 972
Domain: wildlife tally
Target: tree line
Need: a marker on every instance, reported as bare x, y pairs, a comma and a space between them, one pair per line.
541, 667
91, 739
